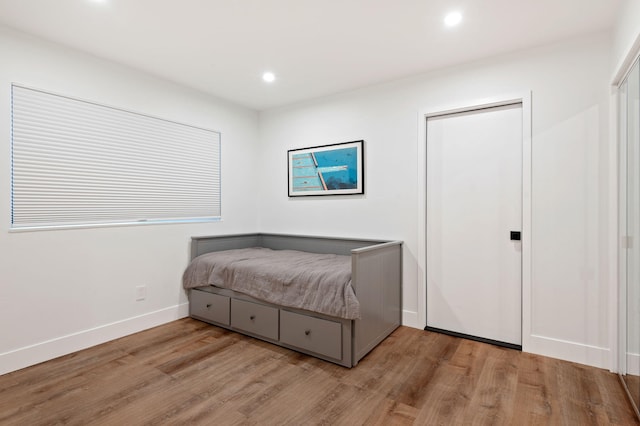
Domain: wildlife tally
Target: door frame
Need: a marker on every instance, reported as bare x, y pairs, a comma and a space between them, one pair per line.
617, 255
525, 99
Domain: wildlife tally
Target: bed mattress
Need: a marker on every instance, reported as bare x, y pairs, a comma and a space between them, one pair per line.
314, 282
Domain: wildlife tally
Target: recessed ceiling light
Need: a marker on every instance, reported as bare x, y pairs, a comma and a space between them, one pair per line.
269, 77
452, 19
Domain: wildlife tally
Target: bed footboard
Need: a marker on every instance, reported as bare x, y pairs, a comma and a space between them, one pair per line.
377, 280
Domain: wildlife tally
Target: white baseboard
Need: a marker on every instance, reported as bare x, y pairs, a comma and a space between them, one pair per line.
44, 351
410, 319
568, 351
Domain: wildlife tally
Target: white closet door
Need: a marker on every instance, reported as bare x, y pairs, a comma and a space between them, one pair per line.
474, 201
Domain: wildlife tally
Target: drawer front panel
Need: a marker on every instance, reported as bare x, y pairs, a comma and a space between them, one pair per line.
314, 334
209, 306
255, 318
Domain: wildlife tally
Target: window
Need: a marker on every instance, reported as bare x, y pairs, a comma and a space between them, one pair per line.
77, 163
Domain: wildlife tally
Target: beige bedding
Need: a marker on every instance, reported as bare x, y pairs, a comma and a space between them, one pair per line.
310, 281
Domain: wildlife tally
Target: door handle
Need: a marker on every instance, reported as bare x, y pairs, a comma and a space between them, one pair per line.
515, 236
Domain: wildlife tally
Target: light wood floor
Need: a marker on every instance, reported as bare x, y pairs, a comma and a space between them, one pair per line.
188, 372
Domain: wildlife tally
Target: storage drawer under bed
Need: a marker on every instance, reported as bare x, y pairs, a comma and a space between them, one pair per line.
255, 318
209, 306
317, 335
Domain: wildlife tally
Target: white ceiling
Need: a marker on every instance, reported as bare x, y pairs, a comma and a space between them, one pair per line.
315, 47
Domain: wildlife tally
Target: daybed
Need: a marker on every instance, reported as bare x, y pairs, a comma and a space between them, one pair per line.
376, 280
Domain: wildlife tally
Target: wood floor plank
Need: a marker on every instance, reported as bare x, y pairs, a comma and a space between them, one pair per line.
392, 413
314, 391
576, 395
532, 399
445, 401
493, 398
633, 384
424, 366
188, 372
608, 385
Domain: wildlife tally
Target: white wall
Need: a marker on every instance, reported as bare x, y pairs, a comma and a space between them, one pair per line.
626, 37
64, 290
570, 113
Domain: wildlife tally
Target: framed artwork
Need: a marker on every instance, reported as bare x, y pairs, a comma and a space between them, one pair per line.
336, 169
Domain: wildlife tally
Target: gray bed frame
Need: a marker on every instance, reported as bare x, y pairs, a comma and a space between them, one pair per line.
376, 279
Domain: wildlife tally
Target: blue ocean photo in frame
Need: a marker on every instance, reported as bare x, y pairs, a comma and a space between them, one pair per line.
336, 169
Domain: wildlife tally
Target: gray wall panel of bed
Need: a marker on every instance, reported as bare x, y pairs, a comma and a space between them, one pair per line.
202, 245
376, 279
343, 246
380, 303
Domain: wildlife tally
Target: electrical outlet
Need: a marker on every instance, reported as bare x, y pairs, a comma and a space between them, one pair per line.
141, 292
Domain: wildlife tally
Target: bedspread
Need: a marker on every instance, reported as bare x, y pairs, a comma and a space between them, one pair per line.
311, 281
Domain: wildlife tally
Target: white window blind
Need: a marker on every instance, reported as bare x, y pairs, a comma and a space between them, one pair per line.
79, 163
